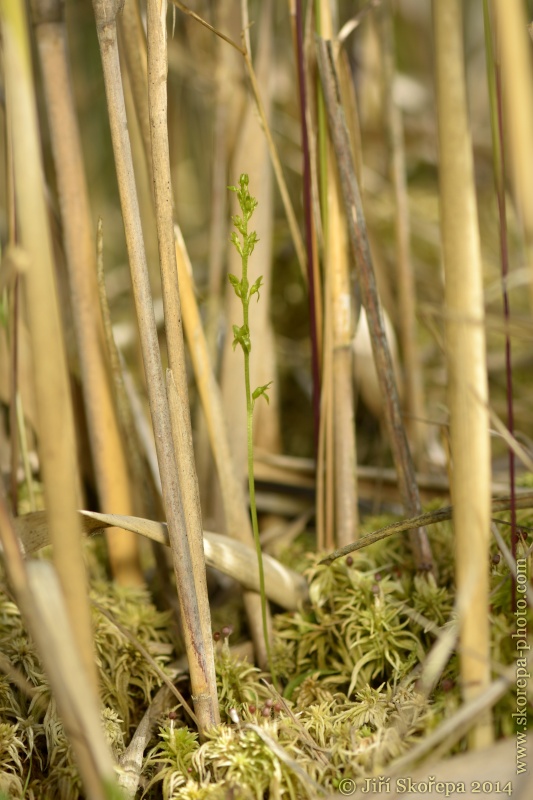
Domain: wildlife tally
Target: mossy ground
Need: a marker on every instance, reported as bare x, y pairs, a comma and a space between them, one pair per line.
349, 701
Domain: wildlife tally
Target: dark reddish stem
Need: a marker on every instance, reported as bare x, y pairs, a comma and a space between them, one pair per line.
308, 221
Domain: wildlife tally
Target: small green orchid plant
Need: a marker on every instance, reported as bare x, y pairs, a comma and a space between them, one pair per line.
241, 336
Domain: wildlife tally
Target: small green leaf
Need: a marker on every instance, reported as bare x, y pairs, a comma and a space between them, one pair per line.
240, 224
235, 239
236, 283
249, 243
242, 336
261, 391
256, 286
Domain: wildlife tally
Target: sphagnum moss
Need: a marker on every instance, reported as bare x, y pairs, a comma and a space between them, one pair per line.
328, 728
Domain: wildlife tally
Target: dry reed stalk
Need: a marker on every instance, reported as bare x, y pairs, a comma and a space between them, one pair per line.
133, 41
466, 359
336, 257
111, 471
494, 80
133, 63
123, 402
204, 693
177, 391
57, 449
234, 503
42, 605
414, 398
313, 267
367, 283
237, 518
511, 26
10, 281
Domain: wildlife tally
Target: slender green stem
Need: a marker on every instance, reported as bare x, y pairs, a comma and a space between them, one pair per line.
242, 337
253, 509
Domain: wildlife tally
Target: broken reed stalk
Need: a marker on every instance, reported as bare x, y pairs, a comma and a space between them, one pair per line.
57, 447
498, 158
110, 465
466, 358
177, 390
204, 693
43, 610
369, 295
414, 399
336, 263
511, 28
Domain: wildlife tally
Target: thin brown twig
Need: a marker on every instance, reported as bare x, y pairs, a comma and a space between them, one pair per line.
365, 272
431, 517
145, 654
194, 15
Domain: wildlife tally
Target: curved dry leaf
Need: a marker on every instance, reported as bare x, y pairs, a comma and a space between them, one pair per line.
284, 587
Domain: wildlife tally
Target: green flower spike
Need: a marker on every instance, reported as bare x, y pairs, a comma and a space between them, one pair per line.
241, 336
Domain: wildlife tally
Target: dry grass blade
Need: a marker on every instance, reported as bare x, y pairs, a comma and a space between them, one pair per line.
55, 639
510, 561
145, 654
131, 760
16, 676
284, 586
283, 756
453, 729
42, 605
365, 272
